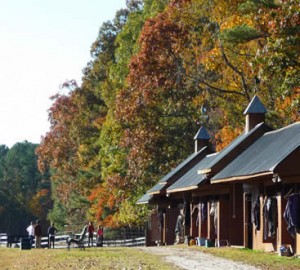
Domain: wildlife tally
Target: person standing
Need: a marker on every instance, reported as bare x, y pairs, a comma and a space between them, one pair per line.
38, 234
51, 234
179, 228
30, 230
100, 236
90, 230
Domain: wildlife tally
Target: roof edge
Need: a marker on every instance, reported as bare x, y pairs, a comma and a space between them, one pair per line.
240, 177
154, 192
208, 170
182, 189
143, 202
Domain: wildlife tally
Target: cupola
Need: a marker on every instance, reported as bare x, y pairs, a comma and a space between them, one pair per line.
255, 113
201, 139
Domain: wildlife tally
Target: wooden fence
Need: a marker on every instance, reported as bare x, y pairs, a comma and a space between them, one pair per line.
127, 238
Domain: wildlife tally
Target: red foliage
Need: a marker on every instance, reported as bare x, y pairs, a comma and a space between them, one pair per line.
153, 68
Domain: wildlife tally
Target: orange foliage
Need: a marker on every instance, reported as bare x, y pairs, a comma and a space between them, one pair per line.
225, 136
102, 199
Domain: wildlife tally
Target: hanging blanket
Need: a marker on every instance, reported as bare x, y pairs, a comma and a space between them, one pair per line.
292, 214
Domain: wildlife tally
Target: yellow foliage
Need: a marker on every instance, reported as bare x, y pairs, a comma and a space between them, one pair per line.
288, 107
236, 20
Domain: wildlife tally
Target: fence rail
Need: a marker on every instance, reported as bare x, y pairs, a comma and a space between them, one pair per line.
124, 239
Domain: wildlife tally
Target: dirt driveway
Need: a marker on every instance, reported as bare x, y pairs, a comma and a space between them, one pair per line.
195, 260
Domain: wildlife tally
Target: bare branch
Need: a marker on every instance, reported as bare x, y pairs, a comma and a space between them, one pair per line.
241, 74
215, 88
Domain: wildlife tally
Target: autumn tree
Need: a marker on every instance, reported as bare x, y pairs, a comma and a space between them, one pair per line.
112, 154
197, 63
70, 149
159, 70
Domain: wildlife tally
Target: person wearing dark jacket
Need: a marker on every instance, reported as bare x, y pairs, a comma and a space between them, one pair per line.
38, 234
51, 235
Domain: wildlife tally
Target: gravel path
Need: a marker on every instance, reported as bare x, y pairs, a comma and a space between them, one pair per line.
194, 260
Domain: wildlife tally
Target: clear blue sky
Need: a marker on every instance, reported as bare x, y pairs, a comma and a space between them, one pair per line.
42, 44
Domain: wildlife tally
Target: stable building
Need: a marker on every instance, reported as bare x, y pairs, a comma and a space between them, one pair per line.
163, 220
269, 174
246, 195
215, 212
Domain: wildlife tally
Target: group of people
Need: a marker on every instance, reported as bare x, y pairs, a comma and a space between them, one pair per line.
99, 237
35, 233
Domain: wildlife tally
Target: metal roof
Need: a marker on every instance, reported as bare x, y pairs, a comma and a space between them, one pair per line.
144, 199
157, 188
255, 106
232, 146
178, 168
182, 165
191, 179
264, 154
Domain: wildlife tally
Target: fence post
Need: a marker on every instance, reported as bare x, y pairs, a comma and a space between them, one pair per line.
124, 234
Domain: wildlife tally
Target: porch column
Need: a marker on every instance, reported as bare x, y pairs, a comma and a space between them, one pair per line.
208, 220
163, 233
297, 251
199, 223
260, 236
279, 227
219, 223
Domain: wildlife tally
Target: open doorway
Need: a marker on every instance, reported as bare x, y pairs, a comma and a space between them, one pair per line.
248, 223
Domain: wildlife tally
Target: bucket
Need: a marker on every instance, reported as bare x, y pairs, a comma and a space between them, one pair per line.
209, 243
25, 243
200, 241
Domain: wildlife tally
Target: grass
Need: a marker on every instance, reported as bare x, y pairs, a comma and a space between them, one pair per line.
92, 258
260, 259
129, 258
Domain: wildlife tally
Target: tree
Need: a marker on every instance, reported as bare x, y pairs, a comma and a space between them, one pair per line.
70, 150
20, 182
159, 70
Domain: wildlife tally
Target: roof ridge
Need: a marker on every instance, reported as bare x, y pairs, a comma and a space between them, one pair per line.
282, 128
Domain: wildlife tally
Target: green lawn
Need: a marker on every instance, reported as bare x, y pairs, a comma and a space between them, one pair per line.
128, 258
92, 258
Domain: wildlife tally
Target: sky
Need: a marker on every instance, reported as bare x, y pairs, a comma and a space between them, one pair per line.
43, 43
